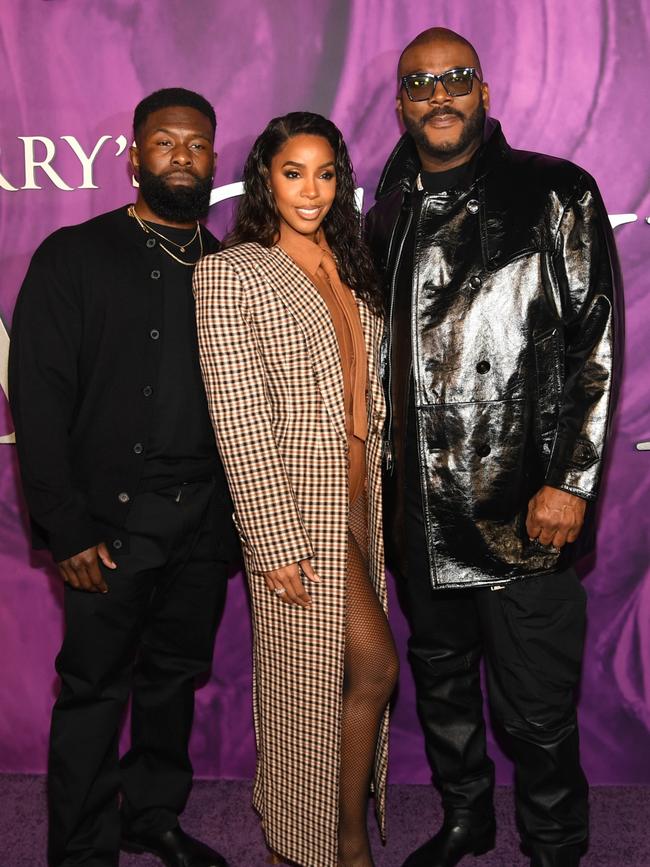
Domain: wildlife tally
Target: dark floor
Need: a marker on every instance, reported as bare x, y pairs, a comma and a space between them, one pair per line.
219, 812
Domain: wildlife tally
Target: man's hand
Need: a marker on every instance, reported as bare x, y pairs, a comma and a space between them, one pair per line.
555, 517
82, 571
286, 583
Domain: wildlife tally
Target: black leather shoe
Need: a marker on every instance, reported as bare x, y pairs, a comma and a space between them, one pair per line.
452, 842
175, 848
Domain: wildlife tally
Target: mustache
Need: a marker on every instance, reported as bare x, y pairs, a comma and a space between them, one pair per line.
189, 172
440, 112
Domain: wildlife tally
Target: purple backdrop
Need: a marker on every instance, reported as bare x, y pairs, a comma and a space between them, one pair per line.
566, 79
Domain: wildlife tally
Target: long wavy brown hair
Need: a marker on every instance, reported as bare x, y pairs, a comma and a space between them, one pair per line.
258, 219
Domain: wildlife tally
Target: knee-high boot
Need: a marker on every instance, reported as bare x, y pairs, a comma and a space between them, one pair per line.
450, 707
551, 791
555, 856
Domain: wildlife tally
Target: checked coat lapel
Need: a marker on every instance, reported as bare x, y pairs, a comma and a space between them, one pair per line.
372, 331
304, 303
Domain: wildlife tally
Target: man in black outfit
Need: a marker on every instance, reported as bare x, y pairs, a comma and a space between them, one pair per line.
125, 487
502, 368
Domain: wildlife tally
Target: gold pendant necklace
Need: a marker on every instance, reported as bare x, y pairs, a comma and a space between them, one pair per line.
189, 264
147, 229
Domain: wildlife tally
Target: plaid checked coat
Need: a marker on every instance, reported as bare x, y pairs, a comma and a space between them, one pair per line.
272, 372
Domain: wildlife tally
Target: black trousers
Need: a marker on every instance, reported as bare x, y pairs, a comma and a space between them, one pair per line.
531, 635
150, 635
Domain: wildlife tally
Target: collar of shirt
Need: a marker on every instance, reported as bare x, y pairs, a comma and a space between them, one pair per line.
306, 253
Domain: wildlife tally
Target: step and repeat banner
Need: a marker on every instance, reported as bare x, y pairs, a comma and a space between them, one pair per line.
566, 79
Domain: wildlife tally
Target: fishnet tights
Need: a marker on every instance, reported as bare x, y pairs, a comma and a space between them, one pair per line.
369, 678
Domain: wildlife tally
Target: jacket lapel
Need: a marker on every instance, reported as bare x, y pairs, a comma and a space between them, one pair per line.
303, 301
371, 331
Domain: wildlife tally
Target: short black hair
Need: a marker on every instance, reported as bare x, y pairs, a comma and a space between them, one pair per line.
168, 97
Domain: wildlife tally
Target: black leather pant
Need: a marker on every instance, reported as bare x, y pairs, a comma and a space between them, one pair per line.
150, 635
531, 635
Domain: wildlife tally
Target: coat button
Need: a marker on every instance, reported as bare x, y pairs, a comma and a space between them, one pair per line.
155, 274
117, 544
483, 450
483, 366
475, 281
472, 206
151, 242
147, 391
123, 497
154, 334
138, 448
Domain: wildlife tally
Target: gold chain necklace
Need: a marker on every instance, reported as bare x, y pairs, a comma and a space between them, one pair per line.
148, 228
182, 247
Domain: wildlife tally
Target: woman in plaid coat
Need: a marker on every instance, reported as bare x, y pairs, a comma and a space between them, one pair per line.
289, 323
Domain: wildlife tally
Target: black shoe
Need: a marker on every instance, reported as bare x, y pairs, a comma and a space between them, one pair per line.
175, 848
452, 842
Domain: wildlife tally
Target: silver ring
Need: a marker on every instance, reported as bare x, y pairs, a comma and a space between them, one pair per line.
279, 590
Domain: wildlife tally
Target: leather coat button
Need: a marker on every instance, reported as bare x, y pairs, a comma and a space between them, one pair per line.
475, 281
123, 497
117, 544
483, 450
154, 334
147, 391
483, 366
138, 448
472, 206
151, 242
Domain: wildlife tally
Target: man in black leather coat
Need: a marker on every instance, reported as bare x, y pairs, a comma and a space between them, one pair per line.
501, 374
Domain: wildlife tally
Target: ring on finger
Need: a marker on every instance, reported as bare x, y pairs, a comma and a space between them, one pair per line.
279, 590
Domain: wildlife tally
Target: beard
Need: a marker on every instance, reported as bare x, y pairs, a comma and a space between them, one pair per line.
472, 132
178, 204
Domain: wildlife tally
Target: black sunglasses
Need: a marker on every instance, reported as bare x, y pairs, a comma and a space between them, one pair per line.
456, 82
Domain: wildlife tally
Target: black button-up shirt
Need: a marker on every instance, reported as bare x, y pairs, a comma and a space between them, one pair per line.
181, 445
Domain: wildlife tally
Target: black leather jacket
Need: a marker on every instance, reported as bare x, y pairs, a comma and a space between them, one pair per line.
516, 346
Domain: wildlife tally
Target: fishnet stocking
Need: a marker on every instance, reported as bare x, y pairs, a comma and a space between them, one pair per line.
369, 678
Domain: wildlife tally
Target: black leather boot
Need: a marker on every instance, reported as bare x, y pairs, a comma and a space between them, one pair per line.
555, 856
450, 708
457, 837
551, 792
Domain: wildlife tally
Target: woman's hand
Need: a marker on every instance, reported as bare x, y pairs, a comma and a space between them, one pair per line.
286, 583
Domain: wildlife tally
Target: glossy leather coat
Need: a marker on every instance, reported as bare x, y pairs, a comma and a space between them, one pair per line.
516, 343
